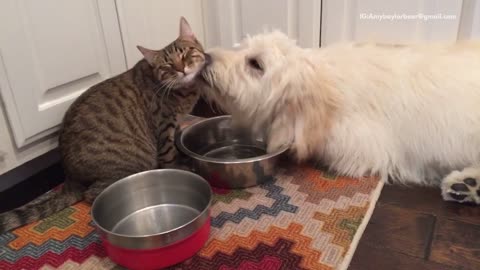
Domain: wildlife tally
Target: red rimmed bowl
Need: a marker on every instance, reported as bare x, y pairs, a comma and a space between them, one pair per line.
154, 219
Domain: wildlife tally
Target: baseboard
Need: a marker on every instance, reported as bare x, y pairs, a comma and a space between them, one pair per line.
28, 169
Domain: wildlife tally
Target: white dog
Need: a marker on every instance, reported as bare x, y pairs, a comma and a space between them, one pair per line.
408, 113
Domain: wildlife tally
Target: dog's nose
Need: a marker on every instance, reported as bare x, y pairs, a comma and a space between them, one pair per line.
208, 59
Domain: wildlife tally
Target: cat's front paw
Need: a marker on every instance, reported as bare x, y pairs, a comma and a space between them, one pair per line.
181, 164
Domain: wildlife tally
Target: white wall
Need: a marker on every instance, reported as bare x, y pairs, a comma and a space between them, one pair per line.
410, 21
154, 24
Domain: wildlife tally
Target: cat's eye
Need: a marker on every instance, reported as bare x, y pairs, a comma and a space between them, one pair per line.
253, 63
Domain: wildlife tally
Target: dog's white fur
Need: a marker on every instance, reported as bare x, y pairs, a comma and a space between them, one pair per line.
411, 113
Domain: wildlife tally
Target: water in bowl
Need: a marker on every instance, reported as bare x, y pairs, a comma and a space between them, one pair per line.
234, 151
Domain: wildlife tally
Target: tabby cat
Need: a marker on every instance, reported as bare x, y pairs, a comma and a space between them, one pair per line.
122, 126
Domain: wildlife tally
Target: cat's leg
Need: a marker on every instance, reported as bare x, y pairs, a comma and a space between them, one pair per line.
180, 162
462, 186
170, 158
94, 190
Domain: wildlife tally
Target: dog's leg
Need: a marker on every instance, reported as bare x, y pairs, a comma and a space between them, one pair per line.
462, 186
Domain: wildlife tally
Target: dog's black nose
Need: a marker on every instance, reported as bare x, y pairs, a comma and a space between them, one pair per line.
208, 59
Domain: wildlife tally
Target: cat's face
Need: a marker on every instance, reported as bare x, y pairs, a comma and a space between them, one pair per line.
178, 63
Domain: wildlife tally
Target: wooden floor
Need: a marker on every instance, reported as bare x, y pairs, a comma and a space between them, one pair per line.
412, 228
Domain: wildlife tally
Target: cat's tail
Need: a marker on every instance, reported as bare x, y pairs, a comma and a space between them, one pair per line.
42, 207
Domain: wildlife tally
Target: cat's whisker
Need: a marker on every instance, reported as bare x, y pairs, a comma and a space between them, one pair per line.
174, 82
167, 85
164, 86
155, 96
153, 100
163, 94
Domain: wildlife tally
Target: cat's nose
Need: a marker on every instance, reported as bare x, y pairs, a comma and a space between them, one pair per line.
208, 59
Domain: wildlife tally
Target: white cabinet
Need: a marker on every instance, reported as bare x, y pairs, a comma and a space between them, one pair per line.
228, 21
51, 51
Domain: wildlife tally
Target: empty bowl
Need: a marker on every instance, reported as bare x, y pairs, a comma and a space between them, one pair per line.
153, 219
227, 157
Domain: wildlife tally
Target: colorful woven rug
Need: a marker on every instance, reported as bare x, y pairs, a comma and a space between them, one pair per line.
302, 219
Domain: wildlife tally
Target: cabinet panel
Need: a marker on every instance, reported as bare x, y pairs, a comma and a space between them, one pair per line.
227, 22
52, 51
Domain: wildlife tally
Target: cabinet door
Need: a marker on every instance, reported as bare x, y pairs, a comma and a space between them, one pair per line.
52, 51
228, 21
390, 21
470, 21
154, 24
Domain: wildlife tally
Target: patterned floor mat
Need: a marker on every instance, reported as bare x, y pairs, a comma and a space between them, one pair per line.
303, 219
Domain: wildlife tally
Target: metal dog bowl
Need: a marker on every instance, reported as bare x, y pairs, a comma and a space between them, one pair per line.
154, 219
226, 157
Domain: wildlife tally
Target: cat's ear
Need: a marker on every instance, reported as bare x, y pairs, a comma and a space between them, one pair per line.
186, 32
148, 54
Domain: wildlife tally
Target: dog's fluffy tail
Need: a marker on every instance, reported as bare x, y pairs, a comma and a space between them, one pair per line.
42, 207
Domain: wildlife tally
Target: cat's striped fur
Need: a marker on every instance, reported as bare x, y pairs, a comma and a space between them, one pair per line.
121, 126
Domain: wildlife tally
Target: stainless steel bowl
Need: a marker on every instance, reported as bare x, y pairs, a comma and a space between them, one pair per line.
152, 209
228, 157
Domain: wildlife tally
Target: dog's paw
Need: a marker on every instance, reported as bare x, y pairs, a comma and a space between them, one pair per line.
462, 187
